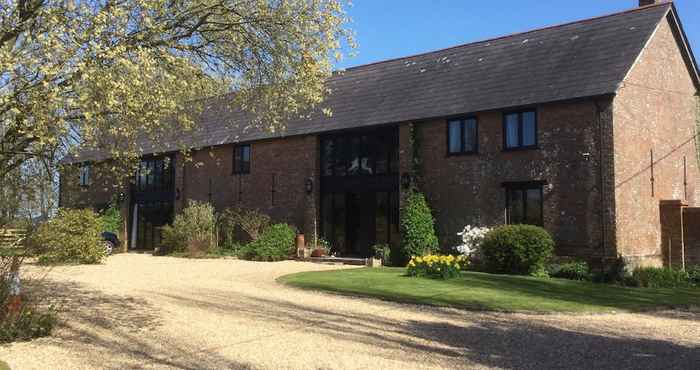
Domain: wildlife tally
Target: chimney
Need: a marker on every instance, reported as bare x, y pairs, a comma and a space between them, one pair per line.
652, 2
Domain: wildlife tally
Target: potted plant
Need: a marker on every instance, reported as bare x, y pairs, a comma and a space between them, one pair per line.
381, 256
322, 248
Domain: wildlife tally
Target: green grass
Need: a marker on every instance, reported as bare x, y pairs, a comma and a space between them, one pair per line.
490, 292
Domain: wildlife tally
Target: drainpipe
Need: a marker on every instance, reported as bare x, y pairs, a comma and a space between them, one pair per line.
603, 211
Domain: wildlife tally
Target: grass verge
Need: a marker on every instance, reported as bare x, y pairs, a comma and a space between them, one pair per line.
479, 291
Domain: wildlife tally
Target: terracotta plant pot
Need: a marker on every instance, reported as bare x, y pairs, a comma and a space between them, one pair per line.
318, 252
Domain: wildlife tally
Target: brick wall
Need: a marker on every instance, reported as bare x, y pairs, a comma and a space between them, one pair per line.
468, 189
653, 111
275, 184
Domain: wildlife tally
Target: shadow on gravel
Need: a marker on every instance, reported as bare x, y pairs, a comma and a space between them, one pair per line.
459, 339
115, 331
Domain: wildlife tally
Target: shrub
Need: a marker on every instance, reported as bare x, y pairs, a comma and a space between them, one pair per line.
27, 324
576, 270
73, 236
660, 277
472, 237
383, 252
26, 320
517, 249
193, 230
417, 227
111, 219
694, 275
434, 266
251, 221
274, 244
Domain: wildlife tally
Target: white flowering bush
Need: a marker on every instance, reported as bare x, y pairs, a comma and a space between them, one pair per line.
472, 237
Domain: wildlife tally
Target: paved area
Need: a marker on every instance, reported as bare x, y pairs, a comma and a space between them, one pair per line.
142, 312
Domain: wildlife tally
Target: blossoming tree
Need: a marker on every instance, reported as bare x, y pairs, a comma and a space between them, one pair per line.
100, 73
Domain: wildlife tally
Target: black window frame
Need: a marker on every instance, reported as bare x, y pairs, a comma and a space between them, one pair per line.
462, 121
154, 174
85, 175
244, 168
520, 145
524, 187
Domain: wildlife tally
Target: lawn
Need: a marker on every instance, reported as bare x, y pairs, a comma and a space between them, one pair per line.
481, 291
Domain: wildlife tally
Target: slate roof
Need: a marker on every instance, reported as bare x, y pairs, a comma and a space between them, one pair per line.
574, 60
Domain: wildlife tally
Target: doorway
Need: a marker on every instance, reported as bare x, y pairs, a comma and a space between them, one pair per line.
361, 229
152, 197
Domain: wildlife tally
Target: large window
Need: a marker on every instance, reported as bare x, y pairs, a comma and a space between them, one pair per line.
241, 159
85, 175
154, 174
363, 154
520, 130
462, 136
524, 203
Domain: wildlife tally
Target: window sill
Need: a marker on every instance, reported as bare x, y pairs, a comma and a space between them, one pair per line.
461, 154
522, 148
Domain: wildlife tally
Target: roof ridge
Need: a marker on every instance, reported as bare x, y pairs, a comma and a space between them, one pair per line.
646, 7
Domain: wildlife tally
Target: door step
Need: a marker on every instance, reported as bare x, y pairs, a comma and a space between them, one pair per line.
337, 260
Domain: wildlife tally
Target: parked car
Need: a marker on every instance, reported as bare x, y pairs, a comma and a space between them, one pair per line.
110, 241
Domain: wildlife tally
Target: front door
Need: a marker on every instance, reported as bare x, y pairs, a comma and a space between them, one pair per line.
361, 229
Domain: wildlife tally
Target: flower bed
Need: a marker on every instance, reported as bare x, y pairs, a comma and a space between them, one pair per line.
434, 266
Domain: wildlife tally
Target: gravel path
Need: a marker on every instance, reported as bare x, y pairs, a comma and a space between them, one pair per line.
138, 311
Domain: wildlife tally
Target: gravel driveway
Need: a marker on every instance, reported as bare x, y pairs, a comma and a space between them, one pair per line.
138, 311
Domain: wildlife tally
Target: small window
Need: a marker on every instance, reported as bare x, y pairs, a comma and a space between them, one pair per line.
520, 130
524, 203
462, 136
241, 159
85, 175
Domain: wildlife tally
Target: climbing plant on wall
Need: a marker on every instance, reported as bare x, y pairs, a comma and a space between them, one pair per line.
415, 157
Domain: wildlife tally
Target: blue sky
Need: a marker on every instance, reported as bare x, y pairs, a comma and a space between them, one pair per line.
394, 28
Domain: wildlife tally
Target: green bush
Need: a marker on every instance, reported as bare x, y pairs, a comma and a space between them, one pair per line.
250, 221
26, 318
694, 275
111, 219
274, 244
660, 277
73, 236
27, 324
383, 252
417, 228
517, 249
193, 231
576, 270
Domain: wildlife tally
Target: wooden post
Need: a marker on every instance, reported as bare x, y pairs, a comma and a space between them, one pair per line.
682, 242
651, 159
670, 259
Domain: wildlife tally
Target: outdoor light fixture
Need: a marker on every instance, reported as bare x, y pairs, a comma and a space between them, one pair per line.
309, 185
405, 180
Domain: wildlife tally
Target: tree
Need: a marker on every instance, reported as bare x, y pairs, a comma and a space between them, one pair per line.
99, 74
